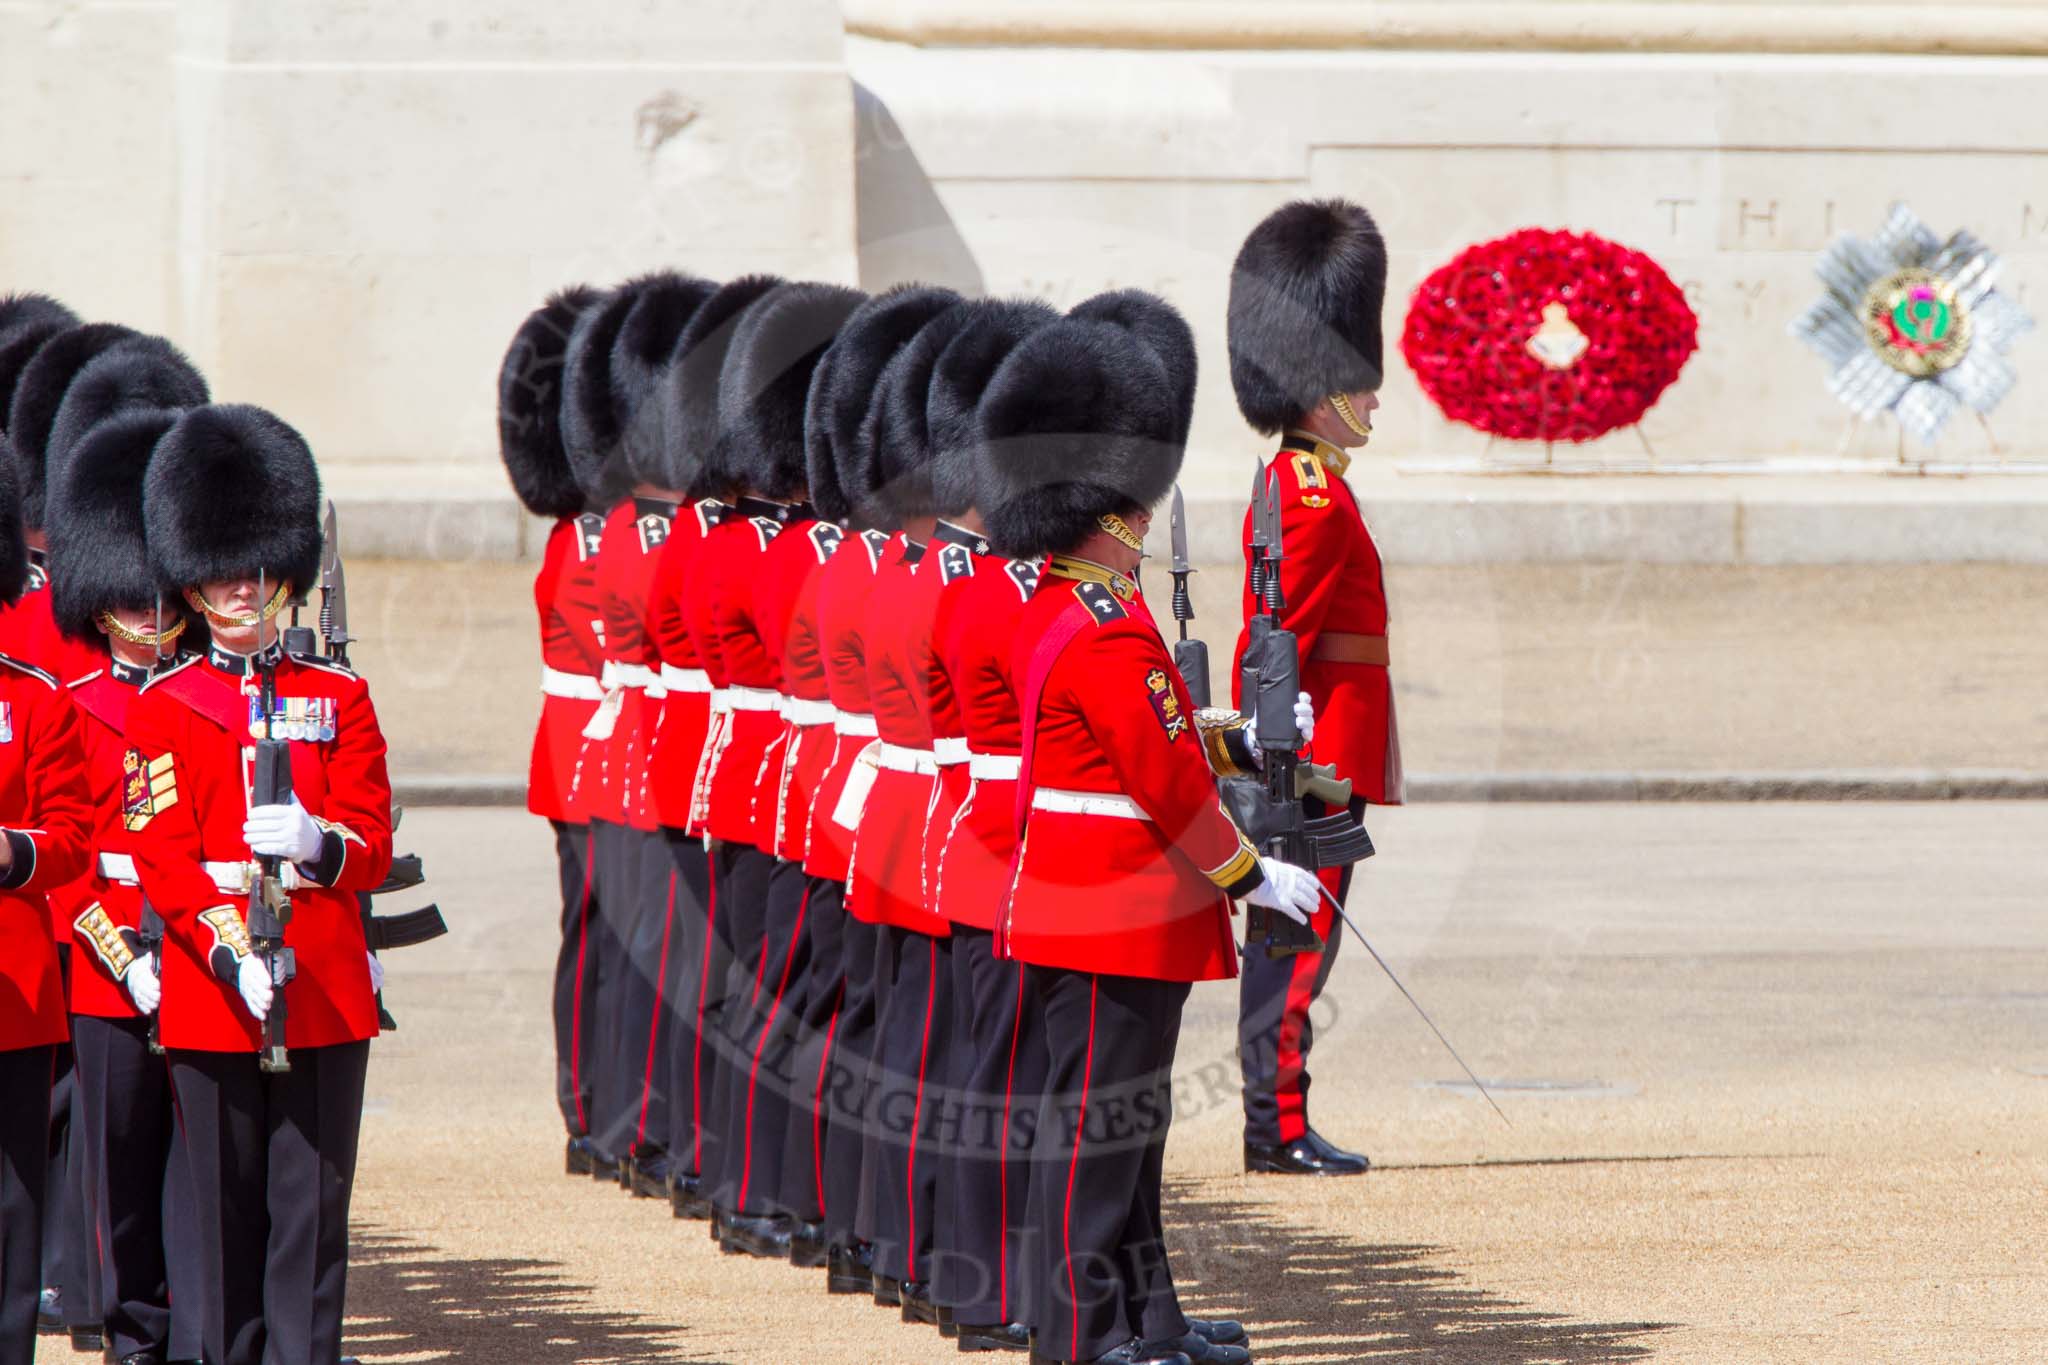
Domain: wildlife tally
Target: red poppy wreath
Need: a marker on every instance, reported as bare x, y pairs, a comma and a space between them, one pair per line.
1548, 336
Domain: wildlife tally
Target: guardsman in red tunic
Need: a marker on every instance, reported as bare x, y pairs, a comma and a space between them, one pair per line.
996, 1056
232, 516
841, 461
1306, 360
1122, 888
102, 588
572, 661
755, 566
45, 842
617, 360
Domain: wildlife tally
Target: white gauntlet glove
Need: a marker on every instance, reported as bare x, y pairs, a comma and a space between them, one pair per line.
282, 832
1305, 717
253, 979
143, 987
376, 973
1291, 890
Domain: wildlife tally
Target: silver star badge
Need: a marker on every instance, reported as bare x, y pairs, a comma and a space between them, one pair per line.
1913, 325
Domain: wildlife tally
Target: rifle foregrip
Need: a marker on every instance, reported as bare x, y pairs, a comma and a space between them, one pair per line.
1191, 657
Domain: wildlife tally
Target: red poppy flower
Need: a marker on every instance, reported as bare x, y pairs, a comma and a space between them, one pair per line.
1548, 336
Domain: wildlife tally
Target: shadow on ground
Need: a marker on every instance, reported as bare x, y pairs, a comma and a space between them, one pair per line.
1309, 1296
409, 1301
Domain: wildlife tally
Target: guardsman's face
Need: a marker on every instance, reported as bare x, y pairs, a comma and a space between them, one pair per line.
143, 621
240, 597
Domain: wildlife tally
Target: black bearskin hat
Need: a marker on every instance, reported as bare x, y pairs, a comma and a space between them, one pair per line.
26, 322
1305, 298
231, 491
641, 356
40, 392
140, 372
689, 396
13, 543
846, 382
1083, 419
99, 558
591, 432
992, 330
530, 405
896, 436
766, 380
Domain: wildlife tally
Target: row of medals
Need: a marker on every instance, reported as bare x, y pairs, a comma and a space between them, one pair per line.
307, 718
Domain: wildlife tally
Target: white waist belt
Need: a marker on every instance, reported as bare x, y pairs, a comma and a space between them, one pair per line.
554, 682
233, 878
807, 711
753, 699
896, 758
685, 679
1087, 803
721, 701
118, 867
995, 767
858, 724
950, 751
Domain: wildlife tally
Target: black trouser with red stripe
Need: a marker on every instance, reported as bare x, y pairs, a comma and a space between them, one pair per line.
273, 1161
1274, 1031
614, 1085
576, 975
1101, 1276
998, 1071
25, 1078
909, 1063
699, 987
848, 1200
654, 969
741, 873
814, 1038
766, 1083
126, 1130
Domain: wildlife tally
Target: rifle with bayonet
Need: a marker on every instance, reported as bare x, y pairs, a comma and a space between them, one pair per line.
379, 931
1269, 808
1191, 657
270, 909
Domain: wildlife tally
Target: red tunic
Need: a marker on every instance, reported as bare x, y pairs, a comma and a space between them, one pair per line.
886, 882
972, 640
106, 900
1140, 884
48, 824
187, 811
724, 617
685, 720
796, 563
1332, 581
612, 775
571, 657
28, 632
935, 695
844, 586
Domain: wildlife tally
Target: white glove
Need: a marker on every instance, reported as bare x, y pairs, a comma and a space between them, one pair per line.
282, 832
253, 978
1305, 717
376, 973
1291, 890
143, 987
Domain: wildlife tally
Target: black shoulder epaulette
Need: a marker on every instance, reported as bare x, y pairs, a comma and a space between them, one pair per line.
1023, 573
825, 538
179, 667
955, 562
589, 534
876, 542
1102, 604
767, 528
30, 669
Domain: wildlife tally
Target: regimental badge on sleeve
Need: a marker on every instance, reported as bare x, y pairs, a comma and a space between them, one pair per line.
149, 787
1166, 704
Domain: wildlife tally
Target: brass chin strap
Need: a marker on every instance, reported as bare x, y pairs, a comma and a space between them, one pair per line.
222, 618
158, 638
1341, 405
1119, 528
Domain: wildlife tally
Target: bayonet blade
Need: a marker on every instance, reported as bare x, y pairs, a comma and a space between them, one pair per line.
1270, 503
333, 584
1179, 525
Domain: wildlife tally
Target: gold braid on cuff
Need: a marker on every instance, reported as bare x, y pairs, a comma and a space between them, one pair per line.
113, 627
222, 618
1121, 529
1341, 405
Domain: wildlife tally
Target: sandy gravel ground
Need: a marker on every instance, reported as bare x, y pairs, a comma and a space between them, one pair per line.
1497, 669
1812, 1125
